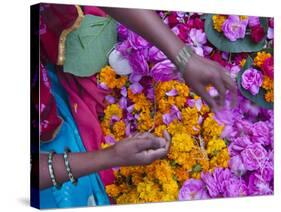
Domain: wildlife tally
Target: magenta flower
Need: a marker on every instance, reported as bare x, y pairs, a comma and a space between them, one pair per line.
198, 37
136, 88
234, 28
258, 186
193, 189
236, 165
254, 157
155, 55
139, 63
260, 133
137, 42
163, 71
172, 92
252, 80
253, 21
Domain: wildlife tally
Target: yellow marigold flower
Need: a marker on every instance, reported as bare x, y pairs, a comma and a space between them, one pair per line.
267, 83
111, 110
220, 160
104, 145
181, 143
269, 96
181, 174
260, 58
211, 128
145, 122
120, 82
119, 129
218, 21
148, 191
112, 190
176, 127
107, 76
215, 145
159, 130
190, 119
243, 17
170, 190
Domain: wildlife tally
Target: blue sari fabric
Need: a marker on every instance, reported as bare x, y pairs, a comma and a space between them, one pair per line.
89, 190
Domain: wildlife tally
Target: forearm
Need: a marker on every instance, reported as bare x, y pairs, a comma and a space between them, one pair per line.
149, 25
81, 164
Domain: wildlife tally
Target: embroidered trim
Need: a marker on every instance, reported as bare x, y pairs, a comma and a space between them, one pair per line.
63, 35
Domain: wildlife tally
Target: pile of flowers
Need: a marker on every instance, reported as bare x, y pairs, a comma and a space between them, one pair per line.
235, 27
226, 154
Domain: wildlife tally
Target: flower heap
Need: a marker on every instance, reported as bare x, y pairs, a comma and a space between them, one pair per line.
234, 27
260, 76
196, 145
226, 154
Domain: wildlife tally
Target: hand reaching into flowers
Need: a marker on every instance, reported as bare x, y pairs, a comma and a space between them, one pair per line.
199, 73
141, 149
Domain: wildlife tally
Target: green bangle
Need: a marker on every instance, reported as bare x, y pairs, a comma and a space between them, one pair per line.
67, 166
183, 57
51, 170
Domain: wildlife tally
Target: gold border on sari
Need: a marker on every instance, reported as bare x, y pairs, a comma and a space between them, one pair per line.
63, 35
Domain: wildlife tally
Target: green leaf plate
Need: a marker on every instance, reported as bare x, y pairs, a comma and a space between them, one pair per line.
241, 45
87, 47
257, 99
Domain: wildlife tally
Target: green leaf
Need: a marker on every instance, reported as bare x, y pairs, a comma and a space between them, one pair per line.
241, 45
87, 47
257, 99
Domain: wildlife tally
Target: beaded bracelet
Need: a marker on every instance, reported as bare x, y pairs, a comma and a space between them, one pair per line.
51, 170
67, 166
183, 57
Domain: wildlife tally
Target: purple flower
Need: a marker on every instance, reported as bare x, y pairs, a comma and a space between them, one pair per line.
198, 37
134, 77
136, 41
172, 92
236, 165
174, 114
260, 133
254, 157
139, 63
155, 55
252, 80
258, 186
222, 183
136, 88
122, 32
163, 71
123, 91
193, 189
234, 28
253, 21
239, 144
109, 139
123, 102
110, 99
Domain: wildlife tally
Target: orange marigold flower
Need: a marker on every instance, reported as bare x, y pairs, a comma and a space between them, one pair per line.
218, 21
260, 58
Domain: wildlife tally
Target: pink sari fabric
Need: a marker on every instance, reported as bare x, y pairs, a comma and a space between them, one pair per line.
85, 98
86, 102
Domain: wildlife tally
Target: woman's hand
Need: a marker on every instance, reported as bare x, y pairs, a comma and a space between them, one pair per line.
141, 149
201, 72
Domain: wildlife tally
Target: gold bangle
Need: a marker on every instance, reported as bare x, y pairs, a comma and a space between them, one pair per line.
67, 166
51, 170
183, 57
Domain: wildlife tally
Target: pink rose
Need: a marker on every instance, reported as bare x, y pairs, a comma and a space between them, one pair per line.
252, 80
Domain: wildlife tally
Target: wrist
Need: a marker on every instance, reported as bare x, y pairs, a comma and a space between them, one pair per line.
183, 57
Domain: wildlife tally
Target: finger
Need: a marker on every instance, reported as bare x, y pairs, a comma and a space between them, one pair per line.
168, 139
152, 155
201, 91
145, 144
219, 85
231, 86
